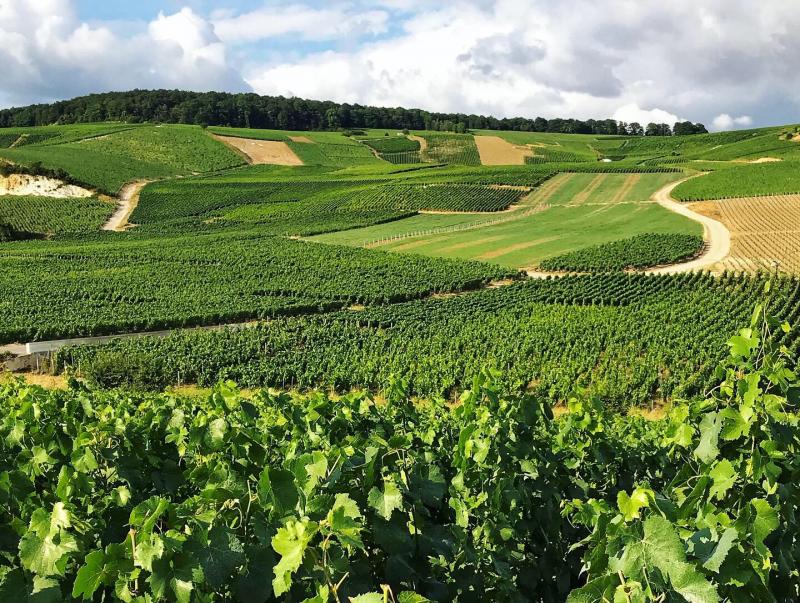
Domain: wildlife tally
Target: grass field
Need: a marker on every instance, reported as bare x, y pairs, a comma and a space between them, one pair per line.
566, 213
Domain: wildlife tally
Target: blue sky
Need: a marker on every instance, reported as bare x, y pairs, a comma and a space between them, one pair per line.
727, 63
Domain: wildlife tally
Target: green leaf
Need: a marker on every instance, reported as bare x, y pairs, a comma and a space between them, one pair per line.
182, 590
367, 598
630, 506
411, 597
84, 460
45, 590
44, 548
145, 515
148, 550
342, 519
720, 552
216, 432
707, 450
221, 556
724, 477
765, 522
599, 589
387, 501
735, 424
290, 543
90, 576
742, 345
277, 486
664, 550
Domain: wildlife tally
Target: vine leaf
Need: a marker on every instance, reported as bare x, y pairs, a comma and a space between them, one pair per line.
724, 477
765, 522
387, 501
90, 576
707, 450
223, 554
290, 543
720, 552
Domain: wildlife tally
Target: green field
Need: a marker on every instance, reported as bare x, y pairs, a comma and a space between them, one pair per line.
584, 210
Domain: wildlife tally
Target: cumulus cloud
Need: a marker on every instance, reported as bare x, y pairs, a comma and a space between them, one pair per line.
48, 53
641, 61
718, 62
633, 113
723, 121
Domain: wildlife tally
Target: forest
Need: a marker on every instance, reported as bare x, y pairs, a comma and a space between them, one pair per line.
254, 111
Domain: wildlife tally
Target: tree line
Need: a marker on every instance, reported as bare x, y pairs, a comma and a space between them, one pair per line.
250, 110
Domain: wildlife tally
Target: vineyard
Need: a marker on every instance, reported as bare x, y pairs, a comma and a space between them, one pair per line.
629, 339
108, 158
457, 149
743, 181
80, 288
642, 251
112, 495
764, 232
46, 215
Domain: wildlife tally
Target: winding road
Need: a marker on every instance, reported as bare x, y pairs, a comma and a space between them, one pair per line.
716, 235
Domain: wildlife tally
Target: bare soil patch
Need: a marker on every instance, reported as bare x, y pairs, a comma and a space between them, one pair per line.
759, 160
40, 186
494, 150
262, 152
303, 139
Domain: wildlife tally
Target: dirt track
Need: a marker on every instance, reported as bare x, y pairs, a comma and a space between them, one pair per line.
128, 200
716, 235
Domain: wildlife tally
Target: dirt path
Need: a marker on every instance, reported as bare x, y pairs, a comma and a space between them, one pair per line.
716, 235
128, 200
423, 146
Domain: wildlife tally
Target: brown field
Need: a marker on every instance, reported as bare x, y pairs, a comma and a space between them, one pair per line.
262, 152
496, 151
765, 232
303, 139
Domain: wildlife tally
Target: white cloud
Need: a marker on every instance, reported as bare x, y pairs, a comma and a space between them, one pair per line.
723, 121
306, 22
633, 113
643, 61
48, 53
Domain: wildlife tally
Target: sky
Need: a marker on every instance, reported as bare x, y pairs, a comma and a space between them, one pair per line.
726, 63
